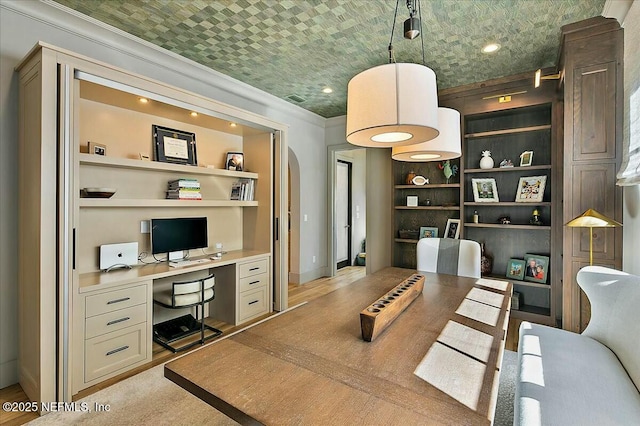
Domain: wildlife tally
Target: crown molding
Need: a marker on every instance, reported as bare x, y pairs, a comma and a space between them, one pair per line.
617, 9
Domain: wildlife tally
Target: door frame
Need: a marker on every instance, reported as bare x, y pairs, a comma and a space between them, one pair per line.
349, 214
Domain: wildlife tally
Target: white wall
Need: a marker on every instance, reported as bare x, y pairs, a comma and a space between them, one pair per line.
631, 208
23, 23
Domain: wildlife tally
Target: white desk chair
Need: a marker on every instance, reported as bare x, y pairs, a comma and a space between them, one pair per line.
449, 256
185, 294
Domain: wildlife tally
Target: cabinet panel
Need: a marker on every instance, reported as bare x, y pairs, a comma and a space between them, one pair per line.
113, 351
594, 112
253, 303
253, 282
116, 320
114, 300
253, 268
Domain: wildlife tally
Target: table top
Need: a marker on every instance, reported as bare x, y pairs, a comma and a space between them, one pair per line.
437, 363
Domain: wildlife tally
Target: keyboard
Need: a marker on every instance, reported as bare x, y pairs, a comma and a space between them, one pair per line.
183, 263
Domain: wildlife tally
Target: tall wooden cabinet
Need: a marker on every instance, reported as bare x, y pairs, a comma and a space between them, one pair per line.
591, 61
78, 325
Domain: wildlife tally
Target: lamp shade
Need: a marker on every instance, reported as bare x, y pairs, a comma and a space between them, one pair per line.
592, 219
392, 105
444, 147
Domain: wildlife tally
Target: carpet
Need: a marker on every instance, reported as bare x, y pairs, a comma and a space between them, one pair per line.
149, 398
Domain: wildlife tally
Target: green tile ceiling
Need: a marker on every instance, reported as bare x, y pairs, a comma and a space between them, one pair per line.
297, 47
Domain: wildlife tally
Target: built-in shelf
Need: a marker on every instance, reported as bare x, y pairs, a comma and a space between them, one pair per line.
507, 131
508, 169
509, 226
136, 203
518, 282
533, 313
406, 240
507, 204
128, 163
429, 186
428, 208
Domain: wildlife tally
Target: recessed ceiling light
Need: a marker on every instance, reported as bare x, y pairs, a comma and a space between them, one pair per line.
232, 124
490, 48
327, 90
194, 114
143, 100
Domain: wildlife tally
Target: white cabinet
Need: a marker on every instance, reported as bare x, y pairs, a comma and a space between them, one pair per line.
252, 297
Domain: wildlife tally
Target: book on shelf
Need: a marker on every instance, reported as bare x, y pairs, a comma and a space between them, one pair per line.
184, 194
184, 183
243, 190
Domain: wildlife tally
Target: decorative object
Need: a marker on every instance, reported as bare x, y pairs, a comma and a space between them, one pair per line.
391, 104
476, 217
412, 201
428, 232
531, 189
486, 261
453, 229
420, 180
515, 269
408, 234
235, 161
448, 169
515, 301
174, 146
536, 268
445, 147
485, 190
592, 219
427, 202
506, 163
144, 157
526, 158
380, 314
409, 179
504, 220
97, 192
535, 217
97, 148
486, 162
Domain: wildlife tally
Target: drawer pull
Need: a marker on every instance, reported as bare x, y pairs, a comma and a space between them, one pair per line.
251, 303
118, 320
124, 299
118, 350
254, 269
254, 282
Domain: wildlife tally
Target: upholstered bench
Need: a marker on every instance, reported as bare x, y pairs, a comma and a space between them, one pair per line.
591, 378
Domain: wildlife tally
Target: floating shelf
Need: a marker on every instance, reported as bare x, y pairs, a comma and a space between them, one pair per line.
429, 186
507, 204
510, 226
135, 203
508, 169
128, 163
507, 131
428, 208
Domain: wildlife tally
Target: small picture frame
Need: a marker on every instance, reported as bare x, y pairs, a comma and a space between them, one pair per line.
453, 229
531, 189
536, 268
526, 158
515, 269
234, 161
97, 148
485, 190
174, 146
412, 201
428, 232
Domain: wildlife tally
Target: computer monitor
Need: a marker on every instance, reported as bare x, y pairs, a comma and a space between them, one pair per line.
178, 234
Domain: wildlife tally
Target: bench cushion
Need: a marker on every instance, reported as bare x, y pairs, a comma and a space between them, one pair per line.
565, 378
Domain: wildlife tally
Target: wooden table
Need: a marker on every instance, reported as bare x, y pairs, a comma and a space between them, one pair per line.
438, 363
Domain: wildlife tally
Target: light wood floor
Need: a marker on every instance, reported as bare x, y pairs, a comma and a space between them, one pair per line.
297, 294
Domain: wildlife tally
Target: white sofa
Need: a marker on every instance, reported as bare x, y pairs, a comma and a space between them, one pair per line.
592, 378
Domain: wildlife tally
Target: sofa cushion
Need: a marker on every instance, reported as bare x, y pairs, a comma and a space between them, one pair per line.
615, 317
565, 378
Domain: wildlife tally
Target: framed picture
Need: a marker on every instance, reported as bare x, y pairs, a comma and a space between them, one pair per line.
174, 146
428, 232
453, 229
485, 190
412, 201
526, 158
235, 161
531, 189
515, 269
97, 148
536, 268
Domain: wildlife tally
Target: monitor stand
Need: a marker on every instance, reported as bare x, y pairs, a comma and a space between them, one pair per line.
176, 255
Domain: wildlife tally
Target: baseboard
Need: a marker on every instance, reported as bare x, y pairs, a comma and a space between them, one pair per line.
8, 373
307, 276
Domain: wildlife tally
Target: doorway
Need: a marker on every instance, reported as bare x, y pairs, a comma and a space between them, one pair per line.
343, 213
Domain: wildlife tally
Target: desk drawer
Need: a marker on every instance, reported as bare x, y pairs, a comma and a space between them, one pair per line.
253, 283
253, 268
253, 303
114, 351
116, 320
114, 300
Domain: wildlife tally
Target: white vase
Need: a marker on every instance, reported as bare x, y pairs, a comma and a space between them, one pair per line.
486, 162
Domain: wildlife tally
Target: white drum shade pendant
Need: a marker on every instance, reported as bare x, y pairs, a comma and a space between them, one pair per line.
392, 105
444, 147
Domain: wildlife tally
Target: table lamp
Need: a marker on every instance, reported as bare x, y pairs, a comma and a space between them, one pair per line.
592, 219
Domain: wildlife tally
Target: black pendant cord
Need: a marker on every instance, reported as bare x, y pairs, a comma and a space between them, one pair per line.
393, 26
421, 32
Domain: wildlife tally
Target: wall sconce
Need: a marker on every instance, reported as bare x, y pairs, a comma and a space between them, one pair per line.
539, 77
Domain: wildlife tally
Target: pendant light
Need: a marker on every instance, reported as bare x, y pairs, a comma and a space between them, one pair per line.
394, 104
444, 147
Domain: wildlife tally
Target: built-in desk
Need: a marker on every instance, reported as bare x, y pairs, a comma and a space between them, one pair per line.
113, 329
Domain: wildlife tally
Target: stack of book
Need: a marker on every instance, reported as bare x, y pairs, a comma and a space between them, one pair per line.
243, 190
184, 189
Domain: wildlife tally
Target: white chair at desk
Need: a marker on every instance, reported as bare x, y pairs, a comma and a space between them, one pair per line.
185, 294
449, 256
